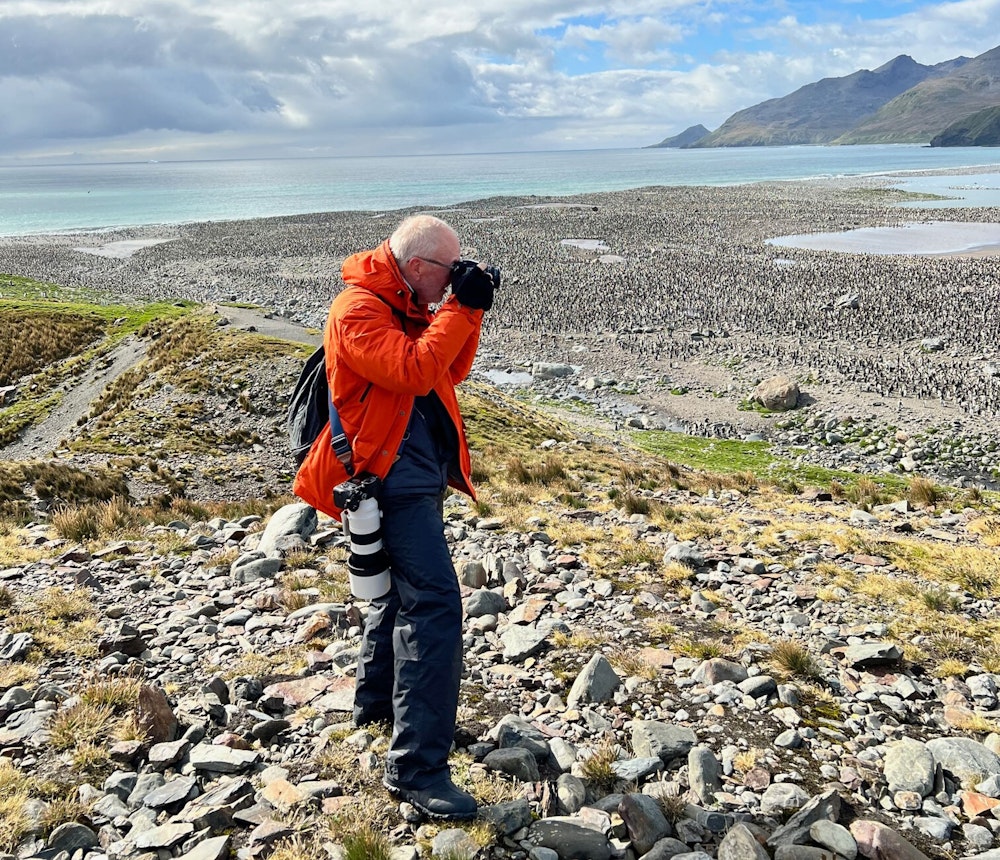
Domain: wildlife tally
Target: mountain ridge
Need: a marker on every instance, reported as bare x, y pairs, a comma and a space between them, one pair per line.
901, 101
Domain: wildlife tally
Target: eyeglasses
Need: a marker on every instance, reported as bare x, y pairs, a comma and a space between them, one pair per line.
436, 263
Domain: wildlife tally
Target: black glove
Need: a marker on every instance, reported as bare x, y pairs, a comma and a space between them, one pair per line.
472, 286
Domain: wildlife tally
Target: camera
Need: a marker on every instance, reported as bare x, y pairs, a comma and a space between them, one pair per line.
349, 495
464, 266
368, 564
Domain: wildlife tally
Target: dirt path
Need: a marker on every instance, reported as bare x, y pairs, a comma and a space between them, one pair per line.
40, 440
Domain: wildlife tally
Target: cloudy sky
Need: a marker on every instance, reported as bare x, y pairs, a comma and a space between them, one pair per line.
171, 79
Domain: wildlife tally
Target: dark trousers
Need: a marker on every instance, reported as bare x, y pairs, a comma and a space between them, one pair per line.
410, 665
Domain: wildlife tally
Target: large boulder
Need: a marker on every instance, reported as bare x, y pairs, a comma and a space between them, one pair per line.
779, 394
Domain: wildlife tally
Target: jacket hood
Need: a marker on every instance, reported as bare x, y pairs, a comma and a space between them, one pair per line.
378, 271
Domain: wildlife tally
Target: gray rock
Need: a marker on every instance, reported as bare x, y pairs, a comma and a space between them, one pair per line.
968, 760
716, 670
666, 849
834, 836
663, 740
796, 830
802, 852
175, 791
644, 820
704, 773
563, 753
789, 739
781, 797
14, 646
573, 840
909, 766
144, 784
295, 519
572, 793
166, 836
551, 370
513, 731
222, 759
870, 654
634, 769
977, 837
108, 808
213, 848
484, 602
758, 685
508, 818
162, 756
474, 574
740, 844
71, 837
514, 761
454, 843
685, 553
596, 683
252, 567
521, 642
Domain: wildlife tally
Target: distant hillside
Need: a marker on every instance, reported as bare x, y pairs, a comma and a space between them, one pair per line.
980, 129
688, 137
931, 106
823, 111
899, 102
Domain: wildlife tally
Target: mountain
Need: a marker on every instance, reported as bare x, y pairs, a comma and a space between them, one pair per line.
980, 129
689, 137
932, 105
823, 111
902, 101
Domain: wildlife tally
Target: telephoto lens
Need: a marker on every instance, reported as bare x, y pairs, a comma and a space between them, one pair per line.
367, 564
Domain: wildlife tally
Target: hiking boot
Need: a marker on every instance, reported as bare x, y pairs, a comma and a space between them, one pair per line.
443, 800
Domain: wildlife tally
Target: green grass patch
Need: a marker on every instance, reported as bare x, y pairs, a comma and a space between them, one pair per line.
728, 456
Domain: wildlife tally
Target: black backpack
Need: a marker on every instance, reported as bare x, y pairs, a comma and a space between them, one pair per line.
308, 412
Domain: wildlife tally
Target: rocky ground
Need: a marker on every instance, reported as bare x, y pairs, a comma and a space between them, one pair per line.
760, 675
659, 663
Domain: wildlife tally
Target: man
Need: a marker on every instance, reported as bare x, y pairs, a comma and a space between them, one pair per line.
392, 366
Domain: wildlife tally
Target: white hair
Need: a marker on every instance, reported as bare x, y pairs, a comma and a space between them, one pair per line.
418, 236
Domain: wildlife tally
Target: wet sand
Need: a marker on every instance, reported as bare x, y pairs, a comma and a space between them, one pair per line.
933, 238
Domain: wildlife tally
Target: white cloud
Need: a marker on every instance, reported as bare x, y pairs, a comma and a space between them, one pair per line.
345, 77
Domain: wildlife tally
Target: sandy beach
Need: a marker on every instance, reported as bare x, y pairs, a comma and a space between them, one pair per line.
677, 294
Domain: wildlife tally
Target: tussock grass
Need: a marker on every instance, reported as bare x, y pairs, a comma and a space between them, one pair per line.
988, 528
596, 768
581, 639
79, 724
18, 675
56, 482
950, 668
923, 492
746, 760
792, 660
286, 662
365, 844
630, 663
698, 649
57, 605
120, 693
29, 341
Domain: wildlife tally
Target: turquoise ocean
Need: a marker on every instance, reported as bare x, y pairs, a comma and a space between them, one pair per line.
74, 197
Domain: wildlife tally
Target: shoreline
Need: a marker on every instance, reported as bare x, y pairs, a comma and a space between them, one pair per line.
684, 292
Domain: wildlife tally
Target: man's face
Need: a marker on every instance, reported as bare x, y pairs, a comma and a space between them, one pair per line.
429, 276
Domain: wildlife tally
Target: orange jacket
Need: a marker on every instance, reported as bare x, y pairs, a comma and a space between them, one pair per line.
382, 350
